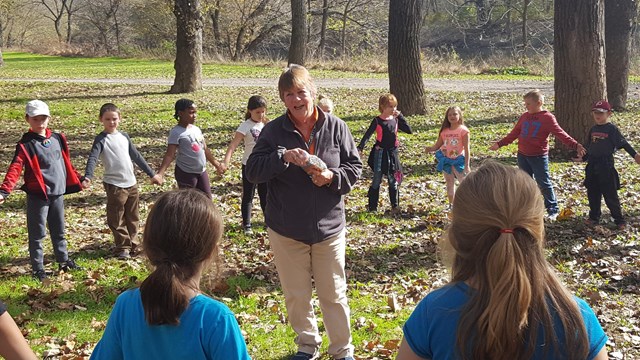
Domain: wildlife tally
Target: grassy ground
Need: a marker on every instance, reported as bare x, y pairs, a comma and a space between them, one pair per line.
388, 258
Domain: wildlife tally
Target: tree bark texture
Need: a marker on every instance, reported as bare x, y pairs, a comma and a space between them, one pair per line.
298, 46
323, 27
405, 69
618, 24
579, 65
188, 63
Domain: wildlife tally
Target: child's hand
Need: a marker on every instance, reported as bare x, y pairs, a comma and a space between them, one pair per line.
637, 158
396, 113
157, 179
581, 150
86, 183
494, 146
224, 167
1, 199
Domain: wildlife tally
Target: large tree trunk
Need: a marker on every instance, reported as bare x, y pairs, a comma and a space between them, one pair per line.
215, 24
3, 25
579, 65
188, 63
405, 70
298, 46
618, 23
323, 27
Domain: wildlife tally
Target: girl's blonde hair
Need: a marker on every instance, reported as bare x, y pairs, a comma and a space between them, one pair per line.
497, 236
445, 123
324, 101
387, 100
181, 236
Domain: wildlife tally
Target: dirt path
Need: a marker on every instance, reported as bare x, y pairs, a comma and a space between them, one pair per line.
509, 86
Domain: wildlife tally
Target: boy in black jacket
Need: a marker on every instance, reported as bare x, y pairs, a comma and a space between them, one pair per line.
601, 177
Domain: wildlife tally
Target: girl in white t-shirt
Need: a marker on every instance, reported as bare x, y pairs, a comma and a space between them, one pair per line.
248, 133
452, 149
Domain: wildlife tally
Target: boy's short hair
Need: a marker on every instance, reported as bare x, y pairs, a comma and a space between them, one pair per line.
295, 76
387, 100
535, 95
109, 107
37, 107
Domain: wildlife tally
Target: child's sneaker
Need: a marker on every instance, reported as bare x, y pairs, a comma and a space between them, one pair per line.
590, 222
304, 356
124, 254
68, 265
552, 217
40, 275
247, 230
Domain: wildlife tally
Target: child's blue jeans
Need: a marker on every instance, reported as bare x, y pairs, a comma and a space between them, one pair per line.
538, 168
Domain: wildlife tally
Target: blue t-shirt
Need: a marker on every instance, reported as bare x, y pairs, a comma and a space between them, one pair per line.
207, 330
431, 329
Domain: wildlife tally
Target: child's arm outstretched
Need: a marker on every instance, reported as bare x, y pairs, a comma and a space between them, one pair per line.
466, 143
92, 160
13, 173
139, 160
513, 134
435, 146
213, 161
367, 135
559, 133
237, 139
172, 149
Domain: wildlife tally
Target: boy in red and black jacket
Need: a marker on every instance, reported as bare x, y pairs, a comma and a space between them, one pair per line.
48, 175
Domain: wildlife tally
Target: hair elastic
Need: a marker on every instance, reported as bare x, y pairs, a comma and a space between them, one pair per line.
506, 231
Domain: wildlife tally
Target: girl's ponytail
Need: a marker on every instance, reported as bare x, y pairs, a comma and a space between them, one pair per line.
497, 235
164, 295
505, 318
181, 236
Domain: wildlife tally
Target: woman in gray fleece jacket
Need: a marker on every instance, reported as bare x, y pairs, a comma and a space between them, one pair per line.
305, 210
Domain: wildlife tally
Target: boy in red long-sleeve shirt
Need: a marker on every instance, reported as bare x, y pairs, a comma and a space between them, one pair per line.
532, 131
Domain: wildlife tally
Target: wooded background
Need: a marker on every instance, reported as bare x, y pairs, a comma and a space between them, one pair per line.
261, 29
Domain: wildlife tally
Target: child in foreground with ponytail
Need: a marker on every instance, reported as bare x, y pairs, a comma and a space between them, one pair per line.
168, 317
504, 300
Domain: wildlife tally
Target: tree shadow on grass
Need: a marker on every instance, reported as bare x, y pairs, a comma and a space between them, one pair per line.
24, 100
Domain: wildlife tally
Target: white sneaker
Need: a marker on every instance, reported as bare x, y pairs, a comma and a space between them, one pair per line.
552, 217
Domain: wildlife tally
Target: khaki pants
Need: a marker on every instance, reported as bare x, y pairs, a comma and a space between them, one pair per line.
299, 265
122, 215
